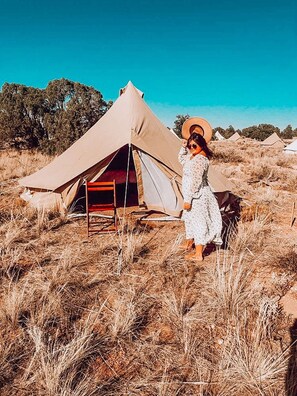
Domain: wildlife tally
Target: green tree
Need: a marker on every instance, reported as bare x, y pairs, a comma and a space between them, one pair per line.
230, 131
287, 133
50, 119
74, 108
250, 132
260, 132
265, 130
178, 123
22, 111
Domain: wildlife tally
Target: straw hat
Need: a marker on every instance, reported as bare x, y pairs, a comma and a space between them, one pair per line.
189, 127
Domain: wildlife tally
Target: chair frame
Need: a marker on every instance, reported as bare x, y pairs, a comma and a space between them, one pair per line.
93, 208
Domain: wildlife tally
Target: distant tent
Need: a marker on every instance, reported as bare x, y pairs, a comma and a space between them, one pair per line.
219, 136
291, 148
235, 137
128, 144
273, 141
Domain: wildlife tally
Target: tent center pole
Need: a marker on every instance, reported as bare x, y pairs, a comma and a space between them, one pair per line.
120, 254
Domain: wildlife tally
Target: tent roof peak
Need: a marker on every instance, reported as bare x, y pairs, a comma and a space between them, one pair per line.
129, 88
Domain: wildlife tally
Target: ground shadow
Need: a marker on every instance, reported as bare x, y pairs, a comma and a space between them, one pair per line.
210, 248
291, 377
230, 211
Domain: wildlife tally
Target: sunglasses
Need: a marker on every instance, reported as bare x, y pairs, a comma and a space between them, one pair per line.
194, 146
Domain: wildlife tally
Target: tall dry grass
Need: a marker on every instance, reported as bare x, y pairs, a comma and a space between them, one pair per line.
193, 328
15, 164
127, 315
58, 367
250, 165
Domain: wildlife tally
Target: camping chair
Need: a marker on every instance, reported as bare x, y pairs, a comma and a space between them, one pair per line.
93, 191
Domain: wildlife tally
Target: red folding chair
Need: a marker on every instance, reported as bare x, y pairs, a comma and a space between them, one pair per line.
106, 191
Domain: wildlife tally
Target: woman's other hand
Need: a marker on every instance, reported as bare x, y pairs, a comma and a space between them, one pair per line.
184, 142
187, 206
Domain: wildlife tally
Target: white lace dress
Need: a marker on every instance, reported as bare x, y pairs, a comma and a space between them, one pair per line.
203, 222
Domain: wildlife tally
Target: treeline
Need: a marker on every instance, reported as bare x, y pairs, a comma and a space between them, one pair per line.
53, 118
257, 132
49, 119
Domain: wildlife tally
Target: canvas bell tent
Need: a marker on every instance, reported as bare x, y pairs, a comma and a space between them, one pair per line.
273, 141
291, 148
235, 137
128, 144
219, 136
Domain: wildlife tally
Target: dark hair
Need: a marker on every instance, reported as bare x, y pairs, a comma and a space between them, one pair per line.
199, 139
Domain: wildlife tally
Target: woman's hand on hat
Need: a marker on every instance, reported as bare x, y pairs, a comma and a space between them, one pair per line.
187, 205
184, 142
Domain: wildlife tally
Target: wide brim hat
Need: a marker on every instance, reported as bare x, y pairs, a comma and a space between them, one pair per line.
207, 129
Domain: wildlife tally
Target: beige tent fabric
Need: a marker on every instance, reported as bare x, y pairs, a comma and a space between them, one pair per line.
273, 141
108, 135
162, 199
219, 136
128, 122
217, 181
234, 137
44, 200
123, 90
69, 191
291, 148
137, 165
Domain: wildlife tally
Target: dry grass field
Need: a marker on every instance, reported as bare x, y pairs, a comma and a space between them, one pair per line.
127, 315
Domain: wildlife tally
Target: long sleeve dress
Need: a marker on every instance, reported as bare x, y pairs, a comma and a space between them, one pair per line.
203, 222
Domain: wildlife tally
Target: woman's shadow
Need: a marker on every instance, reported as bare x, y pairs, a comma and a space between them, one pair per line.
291, 377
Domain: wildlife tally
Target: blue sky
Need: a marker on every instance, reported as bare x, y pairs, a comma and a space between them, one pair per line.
232, 62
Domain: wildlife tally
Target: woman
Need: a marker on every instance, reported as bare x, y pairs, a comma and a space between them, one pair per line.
202, 217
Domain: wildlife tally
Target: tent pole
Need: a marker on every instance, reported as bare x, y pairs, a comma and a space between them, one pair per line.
120, 254
127, 180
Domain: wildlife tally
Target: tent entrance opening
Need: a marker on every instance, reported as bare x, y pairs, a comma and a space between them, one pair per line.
116, 170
